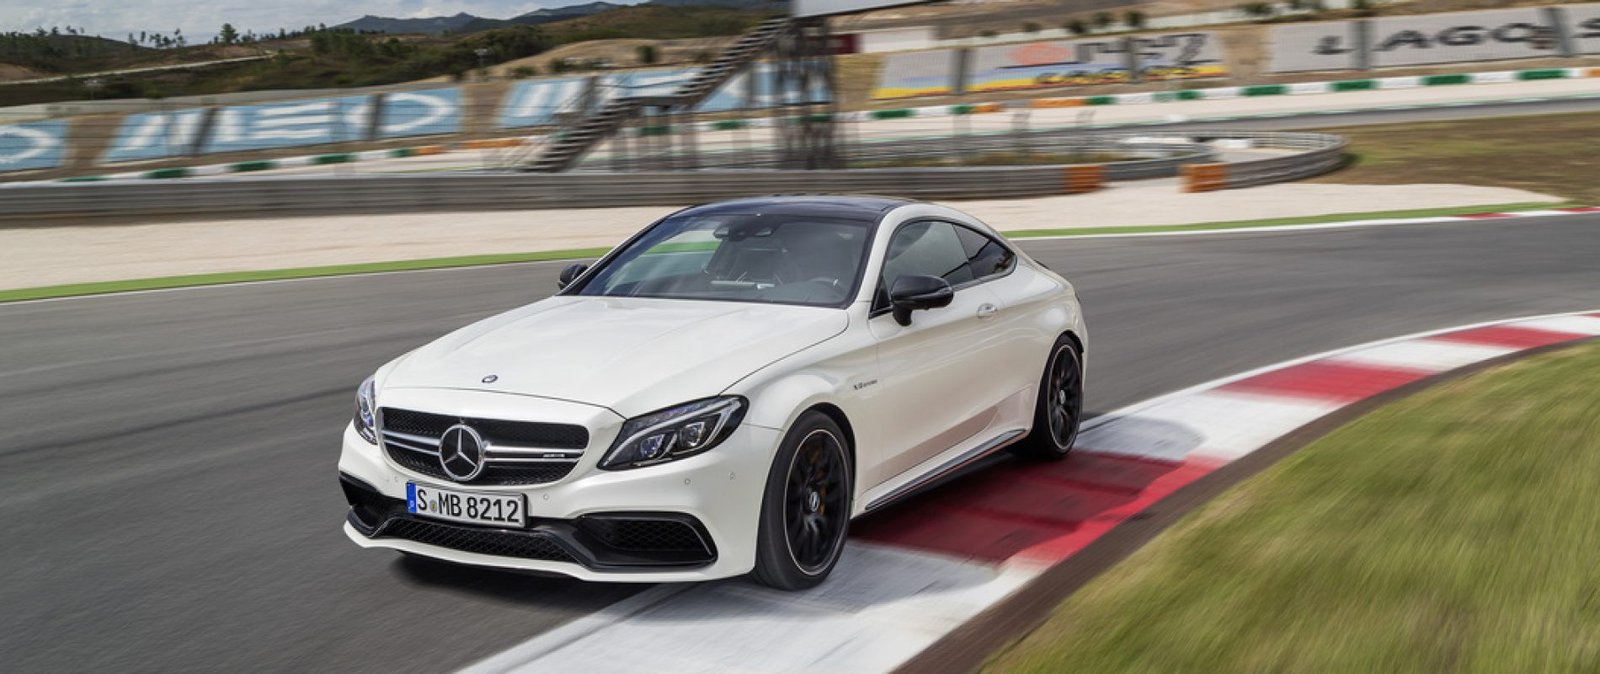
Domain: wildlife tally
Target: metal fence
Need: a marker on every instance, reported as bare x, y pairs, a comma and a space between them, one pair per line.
280, 196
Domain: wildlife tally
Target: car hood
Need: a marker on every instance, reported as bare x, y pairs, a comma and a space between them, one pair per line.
631, 355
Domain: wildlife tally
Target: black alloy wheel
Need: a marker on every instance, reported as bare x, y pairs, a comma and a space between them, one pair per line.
816, 508
1059, 411
805, 513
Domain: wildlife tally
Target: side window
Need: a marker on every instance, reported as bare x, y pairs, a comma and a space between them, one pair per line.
926, 249
985, 256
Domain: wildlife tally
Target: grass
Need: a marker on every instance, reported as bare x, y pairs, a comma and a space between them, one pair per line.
102, 287
1452, 531
164, 282
1549, 154
1280, 222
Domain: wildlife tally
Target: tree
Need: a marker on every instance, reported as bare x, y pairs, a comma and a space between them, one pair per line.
1103, 20
648, 54
1031, 27
1134, 19
228, 34
1262, 10
1076, 27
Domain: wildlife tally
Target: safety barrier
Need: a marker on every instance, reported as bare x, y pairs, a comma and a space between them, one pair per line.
42, 203
1310, 154
1086, 178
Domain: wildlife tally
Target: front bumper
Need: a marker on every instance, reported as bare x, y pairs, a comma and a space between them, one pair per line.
692, 519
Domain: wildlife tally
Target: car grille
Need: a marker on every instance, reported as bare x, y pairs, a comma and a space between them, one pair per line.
519, 544
519, 453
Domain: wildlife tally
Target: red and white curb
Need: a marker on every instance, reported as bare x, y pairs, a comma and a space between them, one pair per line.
916, 572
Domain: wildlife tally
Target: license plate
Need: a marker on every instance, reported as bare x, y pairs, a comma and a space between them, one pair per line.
472, 508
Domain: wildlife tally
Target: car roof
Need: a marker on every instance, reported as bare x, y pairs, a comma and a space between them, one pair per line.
854, 207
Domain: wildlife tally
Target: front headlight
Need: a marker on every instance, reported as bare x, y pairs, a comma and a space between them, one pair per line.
367, 411
674, 433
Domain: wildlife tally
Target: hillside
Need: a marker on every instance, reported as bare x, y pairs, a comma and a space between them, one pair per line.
334, 58
467, 23
437, 25
59, 52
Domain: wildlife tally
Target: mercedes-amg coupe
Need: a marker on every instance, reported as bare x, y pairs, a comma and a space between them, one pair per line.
720, 395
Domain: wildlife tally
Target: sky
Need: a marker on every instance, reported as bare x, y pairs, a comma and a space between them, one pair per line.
201, 19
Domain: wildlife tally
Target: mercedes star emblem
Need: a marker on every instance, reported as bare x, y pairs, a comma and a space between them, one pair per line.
461, 453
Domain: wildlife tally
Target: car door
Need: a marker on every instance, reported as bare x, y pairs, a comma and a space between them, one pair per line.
938, 377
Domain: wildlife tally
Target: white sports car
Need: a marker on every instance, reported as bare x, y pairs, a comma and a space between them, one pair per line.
720, 395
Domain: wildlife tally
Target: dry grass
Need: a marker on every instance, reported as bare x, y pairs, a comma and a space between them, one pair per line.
1550, 154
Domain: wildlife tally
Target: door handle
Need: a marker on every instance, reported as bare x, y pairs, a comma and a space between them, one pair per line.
987, 310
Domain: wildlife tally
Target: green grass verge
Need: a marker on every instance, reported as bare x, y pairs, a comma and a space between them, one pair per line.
280, 274
97, 288
1453, 531
1277, 222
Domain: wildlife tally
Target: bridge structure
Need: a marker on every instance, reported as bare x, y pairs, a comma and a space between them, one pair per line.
800, 98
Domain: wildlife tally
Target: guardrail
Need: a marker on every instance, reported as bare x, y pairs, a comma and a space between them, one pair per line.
1313, 154
1148, 158
51, 203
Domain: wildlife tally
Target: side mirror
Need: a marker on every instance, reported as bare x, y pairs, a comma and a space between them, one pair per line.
911, 293
570, 274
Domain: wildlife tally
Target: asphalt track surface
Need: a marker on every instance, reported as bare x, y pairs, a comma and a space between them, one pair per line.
167, 476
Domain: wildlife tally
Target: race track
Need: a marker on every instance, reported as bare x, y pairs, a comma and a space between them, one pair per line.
167, 458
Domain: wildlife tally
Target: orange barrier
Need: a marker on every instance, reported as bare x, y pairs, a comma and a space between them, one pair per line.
1084, 178
1058, 103
425, 150
489, 143
1205, 177
988, 107
1593, 72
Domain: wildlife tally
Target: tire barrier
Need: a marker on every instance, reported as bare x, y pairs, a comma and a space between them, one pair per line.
1087, 178
34, 204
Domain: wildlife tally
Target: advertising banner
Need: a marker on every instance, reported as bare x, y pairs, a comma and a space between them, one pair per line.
155, 135
274, 125
1300, 47
420, 113
32, 145
1459, 37
1035, 65
1583, 26
536, 102
907, 74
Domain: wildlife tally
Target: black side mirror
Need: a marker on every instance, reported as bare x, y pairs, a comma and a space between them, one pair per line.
911, 293
570, 274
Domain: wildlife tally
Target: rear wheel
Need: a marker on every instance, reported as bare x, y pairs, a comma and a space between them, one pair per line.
1059, 408
805, 513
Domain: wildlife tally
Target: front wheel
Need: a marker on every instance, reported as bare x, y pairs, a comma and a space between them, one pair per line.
1059, 409
805, 512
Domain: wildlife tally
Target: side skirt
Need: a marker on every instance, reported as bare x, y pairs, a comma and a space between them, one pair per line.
946, 470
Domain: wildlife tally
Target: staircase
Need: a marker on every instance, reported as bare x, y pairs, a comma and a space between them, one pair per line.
569, 144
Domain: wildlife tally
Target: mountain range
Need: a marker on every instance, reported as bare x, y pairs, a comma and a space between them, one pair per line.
466, 23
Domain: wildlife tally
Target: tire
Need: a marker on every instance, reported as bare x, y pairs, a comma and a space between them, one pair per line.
805, 511
1059, 409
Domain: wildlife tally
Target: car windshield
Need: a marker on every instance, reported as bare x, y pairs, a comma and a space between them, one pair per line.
776, 258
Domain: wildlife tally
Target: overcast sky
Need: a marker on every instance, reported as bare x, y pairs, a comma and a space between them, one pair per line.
200, 19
